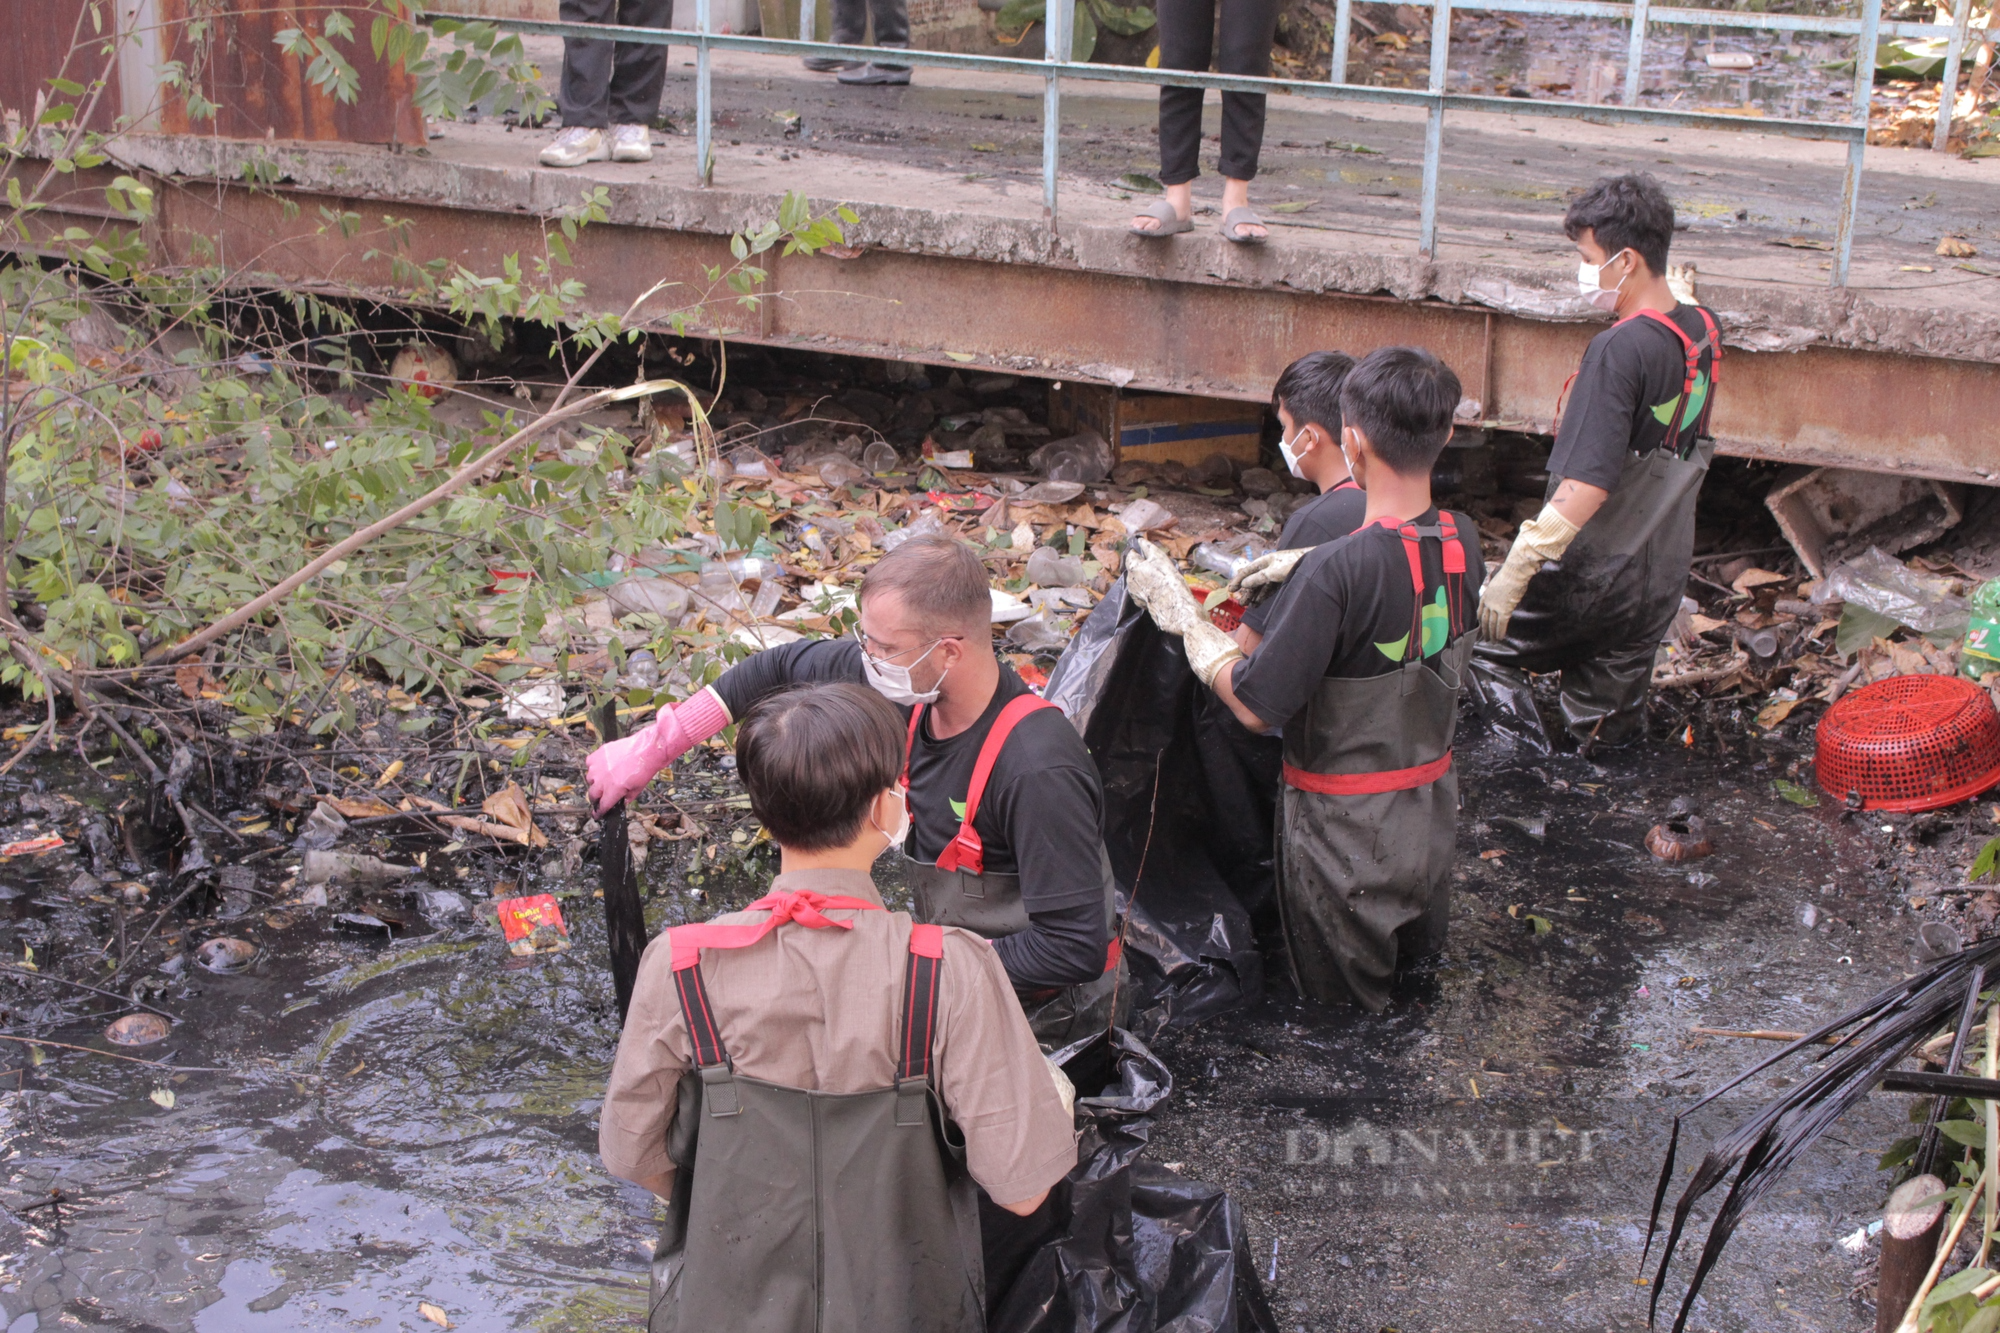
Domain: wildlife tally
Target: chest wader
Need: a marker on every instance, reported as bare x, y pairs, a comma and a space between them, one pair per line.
1367, 826
957, 891
811, 1212
1598, 615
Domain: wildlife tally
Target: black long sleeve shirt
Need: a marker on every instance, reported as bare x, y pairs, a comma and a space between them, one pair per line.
1041, 816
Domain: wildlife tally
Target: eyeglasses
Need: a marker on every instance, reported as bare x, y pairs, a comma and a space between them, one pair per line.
876, 649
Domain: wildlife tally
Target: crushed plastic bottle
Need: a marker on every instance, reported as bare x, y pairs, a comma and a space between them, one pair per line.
1219, 560
1980, 653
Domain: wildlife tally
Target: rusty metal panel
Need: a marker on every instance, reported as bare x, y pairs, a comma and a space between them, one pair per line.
264, 93
1822, 406
47, 39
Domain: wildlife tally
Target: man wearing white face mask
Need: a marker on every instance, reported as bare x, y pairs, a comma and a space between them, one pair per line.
1594, 580
1005, 801
1306, 400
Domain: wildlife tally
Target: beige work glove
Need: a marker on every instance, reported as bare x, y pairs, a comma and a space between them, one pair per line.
1544, 537
1157, 585
1256, 580
1680, 281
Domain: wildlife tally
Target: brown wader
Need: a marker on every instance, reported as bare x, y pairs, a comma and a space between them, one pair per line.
957, 891
797, 1211
1598, 615
1368, 825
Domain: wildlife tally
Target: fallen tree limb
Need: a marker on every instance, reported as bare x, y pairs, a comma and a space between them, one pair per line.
458, 481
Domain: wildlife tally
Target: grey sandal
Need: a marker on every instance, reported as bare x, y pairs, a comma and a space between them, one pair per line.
1171, 223
1240, 217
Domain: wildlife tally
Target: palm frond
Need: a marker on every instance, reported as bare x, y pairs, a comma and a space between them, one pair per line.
1881, 1031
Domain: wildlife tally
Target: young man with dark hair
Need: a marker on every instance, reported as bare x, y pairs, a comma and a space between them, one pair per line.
1006, 809
1361, 666
1306, 400
1594, 580
787, 1072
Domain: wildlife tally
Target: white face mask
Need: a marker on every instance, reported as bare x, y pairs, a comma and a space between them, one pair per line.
896, 835
892, 682
1589, 280
1291, 459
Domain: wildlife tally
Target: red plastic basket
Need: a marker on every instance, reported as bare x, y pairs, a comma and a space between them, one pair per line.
1910, 743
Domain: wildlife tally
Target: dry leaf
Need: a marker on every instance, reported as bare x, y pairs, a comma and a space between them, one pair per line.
390, 774
1956, 247
1772, 714
510, 806
1756, 578
362, 807
1706, 624
1493, 855
163, 1098
504, 832
435, 1314
193, 679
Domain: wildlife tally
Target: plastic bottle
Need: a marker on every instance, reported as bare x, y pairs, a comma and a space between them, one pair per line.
1980, 653
642, 670
1215, 560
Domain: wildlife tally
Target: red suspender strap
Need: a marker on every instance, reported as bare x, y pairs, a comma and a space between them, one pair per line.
910, 742
920, 1001
1346, 484
965, 852
686, 942
1454, 559
1368, 784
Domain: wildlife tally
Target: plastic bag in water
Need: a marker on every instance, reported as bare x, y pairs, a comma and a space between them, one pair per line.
1130, 1245
1876, 581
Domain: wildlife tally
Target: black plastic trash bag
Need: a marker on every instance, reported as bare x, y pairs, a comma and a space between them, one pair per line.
1190, 798
1135, 1247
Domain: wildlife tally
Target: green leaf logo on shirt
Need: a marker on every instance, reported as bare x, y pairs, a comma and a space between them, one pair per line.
1664, 413
958, 808
1437, 625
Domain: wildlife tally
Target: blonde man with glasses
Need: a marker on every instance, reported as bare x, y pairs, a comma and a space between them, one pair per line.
1006, 809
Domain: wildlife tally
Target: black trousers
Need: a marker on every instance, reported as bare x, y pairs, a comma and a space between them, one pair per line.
1187, 30
892, 21
606, 83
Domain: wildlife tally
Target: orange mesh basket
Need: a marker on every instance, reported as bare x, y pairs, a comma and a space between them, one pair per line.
1910, 743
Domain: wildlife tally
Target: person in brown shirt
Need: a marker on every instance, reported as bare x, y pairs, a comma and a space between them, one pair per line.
815, 993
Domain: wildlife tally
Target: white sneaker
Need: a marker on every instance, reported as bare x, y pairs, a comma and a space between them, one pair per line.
576, 146
631, 143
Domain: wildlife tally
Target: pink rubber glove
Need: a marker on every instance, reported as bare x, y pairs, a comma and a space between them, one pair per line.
622, 768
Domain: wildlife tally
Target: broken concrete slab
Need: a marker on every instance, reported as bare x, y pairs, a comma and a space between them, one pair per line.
1828, 514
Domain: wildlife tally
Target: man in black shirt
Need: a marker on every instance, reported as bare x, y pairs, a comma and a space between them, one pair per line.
1361, 664
1594, 580
1005, 803
1307, 401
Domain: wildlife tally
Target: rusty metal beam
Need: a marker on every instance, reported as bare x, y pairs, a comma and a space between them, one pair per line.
1823, 406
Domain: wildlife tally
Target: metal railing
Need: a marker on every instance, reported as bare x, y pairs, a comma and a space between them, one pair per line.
1434, 99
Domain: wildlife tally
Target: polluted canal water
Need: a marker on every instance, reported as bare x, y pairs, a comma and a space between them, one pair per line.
389, 1129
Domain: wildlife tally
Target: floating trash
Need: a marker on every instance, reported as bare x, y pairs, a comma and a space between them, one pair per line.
138, 1030
1680, 839
533, 924
224, 955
